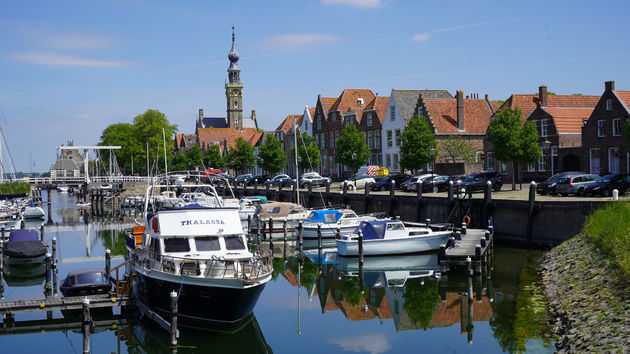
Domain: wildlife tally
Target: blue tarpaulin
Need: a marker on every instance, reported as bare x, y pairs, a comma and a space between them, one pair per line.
328, 216
23, 235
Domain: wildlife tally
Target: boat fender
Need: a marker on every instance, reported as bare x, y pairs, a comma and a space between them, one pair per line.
467, 220
154, 224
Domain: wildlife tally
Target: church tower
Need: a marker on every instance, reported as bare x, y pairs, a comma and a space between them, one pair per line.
234, 90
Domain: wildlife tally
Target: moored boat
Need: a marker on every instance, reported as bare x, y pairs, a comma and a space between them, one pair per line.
328, 221
24, 247
278, 212
86, 281
389, 237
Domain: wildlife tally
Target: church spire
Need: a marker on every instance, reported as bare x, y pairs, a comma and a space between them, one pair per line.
233, 56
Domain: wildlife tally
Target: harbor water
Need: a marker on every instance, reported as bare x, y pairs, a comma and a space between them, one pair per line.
314, 303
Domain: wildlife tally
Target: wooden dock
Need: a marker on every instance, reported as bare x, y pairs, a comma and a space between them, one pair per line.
9, 308
470, 247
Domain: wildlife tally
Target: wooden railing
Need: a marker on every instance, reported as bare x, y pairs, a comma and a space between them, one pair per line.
121, 287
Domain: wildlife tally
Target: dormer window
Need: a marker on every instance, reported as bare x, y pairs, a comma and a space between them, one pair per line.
420, 111
609, 104
359, 101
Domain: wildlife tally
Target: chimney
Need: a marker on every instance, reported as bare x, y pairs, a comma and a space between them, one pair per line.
542, 95
459, 96
200, 117
254, 118
610, 85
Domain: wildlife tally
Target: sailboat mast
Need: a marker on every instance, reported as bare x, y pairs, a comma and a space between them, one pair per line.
297, 171
164, 141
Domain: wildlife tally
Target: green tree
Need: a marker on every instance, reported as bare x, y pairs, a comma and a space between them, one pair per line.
352, 150
271, 158
457, 149
121, 134
241, 156
421, 300
148, 128
417, 142
308, 153
513, 140
212, 157
178, 162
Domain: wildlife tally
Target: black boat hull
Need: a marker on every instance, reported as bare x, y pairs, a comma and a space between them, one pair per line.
198, 303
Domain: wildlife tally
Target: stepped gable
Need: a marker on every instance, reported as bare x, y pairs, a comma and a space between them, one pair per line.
379, 105
407, 100
569, 120
443, 115
348, 101
528, 103
211, 136
287, 124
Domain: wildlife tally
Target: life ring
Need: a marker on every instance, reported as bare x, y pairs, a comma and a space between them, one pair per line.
467, 220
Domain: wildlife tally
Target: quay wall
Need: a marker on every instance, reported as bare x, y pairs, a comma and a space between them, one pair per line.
517, 222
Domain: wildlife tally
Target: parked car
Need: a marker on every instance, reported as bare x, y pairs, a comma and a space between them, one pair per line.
574, 184
260, 178
280, 180
357, 182
313, 178
435, 184
477, 181
386, 182
242, 179
605, 185
549, 186
410, 184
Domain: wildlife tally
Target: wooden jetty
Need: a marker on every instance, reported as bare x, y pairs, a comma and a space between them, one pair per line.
468, 247
9, 308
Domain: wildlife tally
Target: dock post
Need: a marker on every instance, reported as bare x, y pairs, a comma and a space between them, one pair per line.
485, 213
108, 261
174, 332
450, 193
392, 196
418, 201
270, 228
256, 186
284, 230
300, 240
478, 258
360, 248
441, 257
468, 266
54, 253
41, 233
87, 325
308, 197
463, 228
530, 215
344, 197
293, 195
48, 285
428, 223
319, 237
366, 198
327, 192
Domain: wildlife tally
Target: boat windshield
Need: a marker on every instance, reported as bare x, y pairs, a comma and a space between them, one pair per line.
90, 278
380, 229
176, 244
234, 243
395, 226
207, 243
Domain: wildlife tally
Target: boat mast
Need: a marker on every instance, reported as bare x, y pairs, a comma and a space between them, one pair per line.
297, 172
164, 141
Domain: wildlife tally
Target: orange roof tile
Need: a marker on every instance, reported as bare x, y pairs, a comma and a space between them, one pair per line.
624, 96
210, 136
528, 103
378, 104
287, 123
326, 103
311, 111
443, 113
348, 101
569, 120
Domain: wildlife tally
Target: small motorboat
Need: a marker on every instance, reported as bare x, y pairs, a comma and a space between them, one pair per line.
278, 212
86, 281
33, 212
24, 247
389, 237
63, 189
331, 220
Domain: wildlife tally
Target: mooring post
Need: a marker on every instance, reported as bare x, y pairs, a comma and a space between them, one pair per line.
442, 257
360, 248
392, 196
270, 228
308, 196
108, 261
345, 193
284, 229
87, 323
41, 233
293, 194
319, 237
478, 258
487, 196
450, 192
366, 198
463, 228
428, 223
54, 253
615, 194
256, 186
530, 214
48, 285
174, 332
300, 243
327, 192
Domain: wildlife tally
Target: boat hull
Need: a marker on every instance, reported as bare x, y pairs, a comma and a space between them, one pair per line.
411, 244
198, 302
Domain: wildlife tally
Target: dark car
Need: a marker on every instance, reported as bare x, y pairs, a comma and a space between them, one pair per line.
549, 186
386, 182
242, 179
435, 184
89, 281
280, 180
260, 178
605, 185
477, 181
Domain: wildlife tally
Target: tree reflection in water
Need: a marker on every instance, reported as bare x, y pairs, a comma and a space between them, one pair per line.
421, 298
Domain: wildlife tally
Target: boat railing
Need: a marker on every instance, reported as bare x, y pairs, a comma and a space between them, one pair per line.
247, 270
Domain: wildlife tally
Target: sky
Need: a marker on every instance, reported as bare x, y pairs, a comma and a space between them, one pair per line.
68, 69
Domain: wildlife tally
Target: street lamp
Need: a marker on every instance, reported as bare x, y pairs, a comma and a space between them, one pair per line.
354, 158
546, 145
432, 155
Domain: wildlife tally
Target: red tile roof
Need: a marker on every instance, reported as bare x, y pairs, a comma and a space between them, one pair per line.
326, 103
210, 136
569, 120
443, 114
528, 103
348, 101
624, 96
311, 111
287, 123
378, 104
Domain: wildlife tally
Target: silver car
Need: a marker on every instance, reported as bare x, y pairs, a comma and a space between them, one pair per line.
575, 184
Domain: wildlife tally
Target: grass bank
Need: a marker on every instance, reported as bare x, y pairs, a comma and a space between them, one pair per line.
15, 187
609, 230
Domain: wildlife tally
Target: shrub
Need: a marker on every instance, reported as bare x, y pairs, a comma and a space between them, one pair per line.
15, 187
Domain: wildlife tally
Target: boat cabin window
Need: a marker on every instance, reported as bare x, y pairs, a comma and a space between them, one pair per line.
155, 246
176, 244
310, 216
234, 243
207, 243
395, 226
69, 282
90, 278
330, 218
380, 229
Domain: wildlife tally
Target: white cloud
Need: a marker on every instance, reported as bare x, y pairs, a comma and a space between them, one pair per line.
298, 41
365, 4
58, 59
421, 37
46, 35
375, 344
425, 36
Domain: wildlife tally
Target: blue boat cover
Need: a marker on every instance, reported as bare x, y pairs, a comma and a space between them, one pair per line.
373, 230
327, 216
23, 235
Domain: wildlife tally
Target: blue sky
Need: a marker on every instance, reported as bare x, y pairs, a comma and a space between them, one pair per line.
68, 69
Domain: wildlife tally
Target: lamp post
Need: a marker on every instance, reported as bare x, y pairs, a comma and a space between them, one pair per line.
432, 155
546, 145
354, 158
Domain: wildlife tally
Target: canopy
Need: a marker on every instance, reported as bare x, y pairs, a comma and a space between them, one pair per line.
327, 216
276, 210
374, 229
23, 235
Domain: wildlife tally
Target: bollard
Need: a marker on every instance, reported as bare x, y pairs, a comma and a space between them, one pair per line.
174, 332
458, 235
54, 253
87, 322
319, 237
450, 192
483, 241
463, 228
442, 252
41, 233
478, 258
451, 242
270, 228
428, 223
284, 229
108, 262
48, 285
300, 244
360, 248
469, 266
615, 194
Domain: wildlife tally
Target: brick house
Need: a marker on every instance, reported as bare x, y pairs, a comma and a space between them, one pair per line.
371, 124
226, 137
605, 146
285, 134
560, 114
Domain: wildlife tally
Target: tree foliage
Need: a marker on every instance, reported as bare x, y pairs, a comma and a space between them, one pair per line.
133, 138
308, 152
212, 157
457, 149
271, 158
241, 156
513, 140
352, 151
417, 142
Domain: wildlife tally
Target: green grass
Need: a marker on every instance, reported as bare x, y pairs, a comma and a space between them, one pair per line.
609, 230
15, 187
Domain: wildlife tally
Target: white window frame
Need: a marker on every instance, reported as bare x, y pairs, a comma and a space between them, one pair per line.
398, 137
392, 113
616, 127
377, 139
531, 167
491, 162
370, 138
388, 160
609, 104
542, 163
390, 138
478, 156
395, 161
544, 128
613, 160
369, 119
591, 161
601, 128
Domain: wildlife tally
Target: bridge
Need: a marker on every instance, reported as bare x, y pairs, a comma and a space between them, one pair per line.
82, 180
